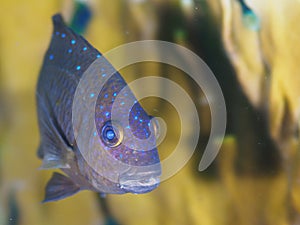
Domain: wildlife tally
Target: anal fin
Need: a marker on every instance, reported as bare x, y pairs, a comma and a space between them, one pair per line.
59, 187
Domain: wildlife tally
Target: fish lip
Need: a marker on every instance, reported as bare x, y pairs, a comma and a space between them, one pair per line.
140, 186
140, 180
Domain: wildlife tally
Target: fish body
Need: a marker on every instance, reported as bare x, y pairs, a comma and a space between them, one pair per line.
67, 58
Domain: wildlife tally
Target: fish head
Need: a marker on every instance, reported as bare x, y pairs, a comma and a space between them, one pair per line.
128, 134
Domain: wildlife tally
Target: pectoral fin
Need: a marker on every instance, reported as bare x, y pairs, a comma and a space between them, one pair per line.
53, 162
59, 187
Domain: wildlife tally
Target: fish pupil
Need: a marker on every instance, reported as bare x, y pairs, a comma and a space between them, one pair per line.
110, 134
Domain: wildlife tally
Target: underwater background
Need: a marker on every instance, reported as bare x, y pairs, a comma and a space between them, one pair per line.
252, 47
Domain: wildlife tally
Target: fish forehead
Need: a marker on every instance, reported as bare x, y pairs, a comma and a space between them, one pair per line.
138, 122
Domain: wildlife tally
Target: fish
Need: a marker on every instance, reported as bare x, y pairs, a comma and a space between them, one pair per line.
250, 18
69, 55
81, 17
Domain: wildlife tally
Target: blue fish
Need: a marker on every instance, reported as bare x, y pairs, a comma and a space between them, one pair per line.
250, 19
81, 17
67, 58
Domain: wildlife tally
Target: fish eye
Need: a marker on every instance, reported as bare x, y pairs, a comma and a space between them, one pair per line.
111, 134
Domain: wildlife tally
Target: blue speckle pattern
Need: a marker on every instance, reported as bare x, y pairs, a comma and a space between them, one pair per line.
60, 72
69, 51
138, 122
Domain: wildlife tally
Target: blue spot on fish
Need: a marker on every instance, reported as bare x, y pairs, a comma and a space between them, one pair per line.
78, 67
84, 49
51, 57
63, 35
73, 42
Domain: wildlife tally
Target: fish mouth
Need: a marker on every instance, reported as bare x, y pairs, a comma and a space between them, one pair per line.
138, 182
